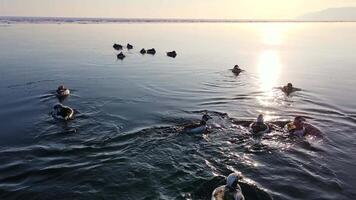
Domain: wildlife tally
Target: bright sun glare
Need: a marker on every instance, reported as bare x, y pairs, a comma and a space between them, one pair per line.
269, 67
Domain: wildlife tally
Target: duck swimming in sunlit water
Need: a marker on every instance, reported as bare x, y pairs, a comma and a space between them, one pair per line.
288, 89
143, 51
63, 112
236, 70
197, 128
117, 46
62, 91
300, 128
120, 56
259, 127
172, 54
230, 191
151, 51
129, 46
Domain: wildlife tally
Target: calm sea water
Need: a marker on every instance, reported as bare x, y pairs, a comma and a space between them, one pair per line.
125, 143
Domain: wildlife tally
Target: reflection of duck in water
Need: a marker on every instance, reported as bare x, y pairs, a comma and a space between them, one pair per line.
300, 128
236, 70
63, 112
62, 92
259, 127
288, 89
197, 128
230, 191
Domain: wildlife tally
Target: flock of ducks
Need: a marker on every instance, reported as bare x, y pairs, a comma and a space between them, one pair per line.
231, 190
143, 51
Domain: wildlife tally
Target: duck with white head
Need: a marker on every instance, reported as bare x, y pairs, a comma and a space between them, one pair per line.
230, 191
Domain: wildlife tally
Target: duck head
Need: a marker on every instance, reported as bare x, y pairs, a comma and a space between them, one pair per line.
290, 86
60, 88
232, 180
299, 122
58, 107
260, 119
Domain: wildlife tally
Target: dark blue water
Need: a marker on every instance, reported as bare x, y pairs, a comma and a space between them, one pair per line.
124, 142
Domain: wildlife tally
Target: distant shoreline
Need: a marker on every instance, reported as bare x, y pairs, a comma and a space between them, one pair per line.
75, 20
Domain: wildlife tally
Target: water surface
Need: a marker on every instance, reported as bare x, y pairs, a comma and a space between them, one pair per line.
124, 142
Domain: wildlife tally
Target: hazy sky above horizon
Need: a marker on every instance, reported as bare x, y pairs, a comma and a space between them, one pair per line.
221, 9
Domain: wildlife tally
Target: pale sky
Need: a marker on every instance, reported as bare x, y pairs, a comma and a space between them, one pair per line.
202, 9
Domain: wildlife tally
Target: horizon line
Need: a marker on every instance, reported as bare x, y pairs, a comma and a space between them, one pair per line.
167, 20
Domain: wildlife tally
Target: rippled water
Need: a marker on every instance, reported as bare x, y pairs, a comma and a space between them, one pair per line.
125, 141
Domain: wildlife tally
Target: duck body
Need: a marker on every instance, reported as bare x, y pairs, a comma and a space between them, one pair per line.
288, 89
129, 46
151, 51
143, 51
117, 46
236, 70
62, 92
230, 191
120, 56
257, 128
172, 54
63, 112
197, 128
225, 193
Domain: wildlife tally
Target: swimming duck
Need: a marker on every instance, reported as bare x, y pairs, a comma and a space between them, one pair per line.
129, 46
172, 54
62, 91
120, 56
63, 112
117, 46
288, 89
230, 191
197, 128
299, 127
151, 51
236, 70
259, 127
143, 51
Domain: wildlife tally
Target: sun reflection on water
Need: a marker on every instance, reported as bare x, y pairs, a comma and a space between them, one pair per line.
269, 67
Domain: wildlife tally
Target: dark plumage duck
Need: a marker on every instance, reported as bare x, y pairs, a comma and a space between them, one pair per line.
62, 92
172, 54
117, 46
288, 89
197, 128
129, 46
259, 127
151, 51
143, 51
120, 56
230, 191
236, 70
63, 112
